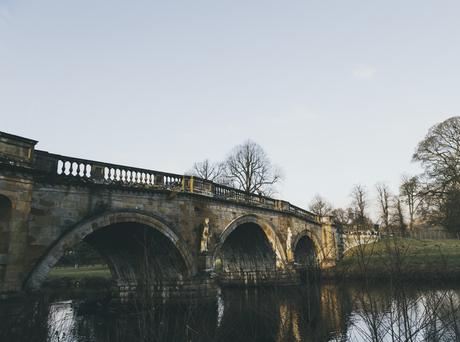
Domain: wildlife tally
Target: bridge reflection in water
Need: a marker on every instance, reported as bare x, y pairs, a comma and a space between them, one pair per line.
321, 313
258, 314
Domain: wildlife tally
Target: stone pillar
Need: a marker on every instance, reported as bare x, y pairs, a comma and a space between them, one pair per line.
329, 242
97, 173
16, 184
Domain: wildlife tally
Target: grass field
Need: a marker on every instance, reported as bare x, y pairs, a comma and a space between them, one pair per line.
82, 272
411, 257
418, 258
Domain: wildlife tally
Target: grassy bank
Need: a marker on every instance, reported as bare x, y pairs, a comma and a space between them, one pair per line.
404, 258
387, 258
95, 277
82, 272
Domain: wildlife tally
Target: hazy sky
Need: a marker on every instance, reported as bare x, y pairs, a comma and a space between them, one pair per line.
337, 92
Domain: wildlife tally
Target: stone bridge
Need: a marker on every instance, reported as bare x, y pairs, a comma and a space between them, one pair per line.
152, 228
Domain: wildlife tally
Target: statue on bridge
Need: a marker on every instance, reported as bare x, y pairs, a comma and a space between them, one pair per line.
288, 243
205, 237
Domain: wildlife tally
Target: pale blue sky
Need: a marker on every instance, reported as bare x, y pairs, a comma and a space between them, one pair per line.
337, 92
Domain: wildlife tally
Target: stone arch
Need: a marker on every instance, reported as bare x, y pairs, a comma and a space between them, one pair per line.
311, 238
83, 229
269, 233
6, 208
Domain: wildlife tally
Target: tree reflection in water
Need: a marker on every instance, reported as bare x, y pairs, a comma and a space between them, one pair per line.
327, 312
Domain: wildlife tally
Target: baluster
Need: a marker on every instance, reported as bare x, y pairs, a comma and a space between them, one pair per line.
74, 171
123, 176
60, 167
143, 176
106, 173
112, 174
88, 170
81, 172
67, 167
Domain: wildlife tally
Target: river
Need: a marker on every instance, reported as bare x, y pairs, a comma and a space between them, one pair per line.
327, 312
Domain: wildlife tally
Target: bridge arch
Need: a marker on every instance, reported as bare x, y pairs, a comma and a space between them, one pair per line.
96, 224
260, 227
306, 249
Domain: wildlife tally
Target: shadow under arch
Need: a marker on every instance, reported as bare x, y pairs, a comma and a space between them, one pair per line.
90, 226
307, 242
267, 229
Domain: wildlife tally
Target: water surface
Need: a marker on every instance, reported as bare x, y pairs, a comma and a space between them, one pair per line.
326, 312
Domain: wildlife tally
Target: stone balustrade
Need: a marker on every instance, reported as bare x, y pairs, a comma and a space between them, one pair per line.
54, 165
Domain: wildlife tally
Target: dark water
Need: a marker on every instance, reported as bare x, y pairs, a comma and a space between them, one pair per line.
327, 312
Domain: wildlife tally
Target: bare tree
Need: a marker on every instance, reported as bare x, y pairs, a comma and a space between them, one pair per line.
320, 206
359, 205
208, 170
249, 169
383, 197
410, 192
397, 214
439, 154
341, 216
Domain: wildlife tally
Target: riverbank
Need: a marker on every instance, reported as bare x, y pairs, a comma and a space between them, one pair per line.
94, 276
400, 258
390, 258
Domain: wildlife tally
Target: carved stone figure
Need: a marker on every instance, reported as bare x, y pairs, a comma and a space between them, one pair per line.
205, 236
288, 243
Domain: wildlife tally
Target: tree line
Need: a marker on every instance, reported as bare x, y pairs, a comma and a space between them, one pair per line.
432, 197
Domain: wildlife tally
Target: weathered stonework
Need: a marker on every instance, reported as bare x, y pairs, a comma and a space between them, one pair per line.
57, 201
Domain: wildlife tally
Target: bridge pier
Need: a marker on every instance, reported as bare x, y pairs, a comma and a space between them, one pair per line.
16, 186
195, 288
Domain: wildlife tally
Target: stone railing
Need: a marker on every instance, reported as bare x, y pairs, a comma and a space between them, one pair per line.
112, 174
